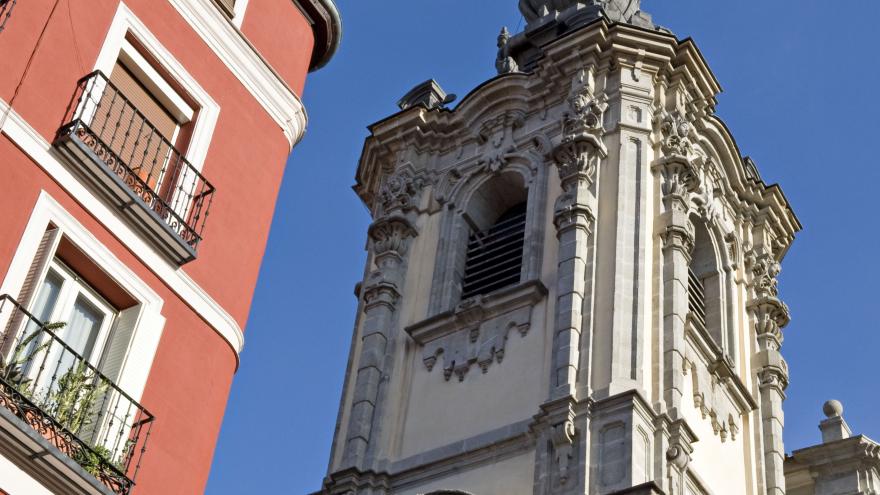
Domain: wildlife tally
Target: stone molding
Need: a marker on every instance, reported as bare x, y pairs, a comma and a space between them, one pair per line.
476, 332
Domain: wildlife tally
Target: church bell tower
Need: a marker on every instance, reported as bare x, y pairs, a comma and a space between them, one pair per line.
571, 281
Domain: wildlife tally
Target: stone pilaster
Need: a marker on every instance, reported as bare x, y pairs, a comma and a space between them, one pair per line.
679, 180
770, 316
382, 289
577, 158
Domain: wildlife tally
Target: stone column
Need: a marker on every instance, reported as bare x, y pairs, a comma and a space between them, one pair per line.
382, 289
770, 316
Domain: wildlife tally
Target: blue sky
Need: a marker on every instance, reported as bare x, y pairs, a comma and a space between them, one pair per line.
800, 82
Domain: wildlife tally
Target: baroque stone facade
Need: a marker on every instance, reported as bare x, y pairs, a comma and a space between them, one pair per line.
640, 351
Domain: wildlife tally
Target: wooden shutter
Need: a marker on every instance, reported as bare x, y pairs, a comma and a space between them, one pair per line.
120, 340
227, 6
32, 282
39, 267
135, 125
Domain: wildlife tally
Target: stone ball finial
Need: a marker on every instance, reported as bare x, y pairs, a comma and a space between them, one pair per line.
833, 409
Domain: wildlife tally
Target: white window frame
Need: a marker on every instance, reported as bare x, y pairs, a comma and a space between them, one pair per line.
72, 288
240, 9
117, 47
150, 322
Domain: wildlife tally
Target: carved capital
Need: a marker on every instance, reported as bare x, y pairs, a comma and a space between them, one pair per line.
679, 238
581, 149
391, 236
774, 378
571, 215
680, 181
771, 316
381, 293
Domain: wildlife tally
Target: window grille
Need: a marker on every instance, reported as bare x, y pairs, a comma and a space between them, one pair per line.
696, 297
495, 255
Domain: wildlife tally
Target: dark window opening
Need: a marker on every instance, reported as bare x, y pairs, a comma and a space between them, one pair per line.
495, 255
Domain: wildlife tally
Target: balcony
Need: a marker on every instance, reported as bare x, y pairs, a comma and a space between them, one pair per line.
56, 407
116, 149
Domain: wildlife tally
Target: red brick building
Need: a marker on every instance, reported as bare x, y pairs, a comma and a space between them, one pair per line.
142, 148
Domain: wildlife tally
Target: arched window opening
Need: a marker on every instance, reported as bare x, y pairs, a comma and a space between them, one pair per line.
704, 286
494, 255
496, 218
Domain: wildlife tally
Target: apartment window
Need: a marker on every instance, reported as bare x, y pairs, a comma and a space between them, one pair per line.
87, 318
64, 340
126, 132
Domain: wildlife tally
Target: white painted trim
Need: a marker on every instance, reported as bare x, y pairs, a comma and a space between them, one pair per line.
155, 83
148, 332
17, 481
115, 44
257, 76
240, 10
35, 146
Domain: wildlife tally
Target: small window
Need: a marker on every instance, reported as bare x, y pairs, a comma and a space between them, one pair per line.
227, 6
495, 255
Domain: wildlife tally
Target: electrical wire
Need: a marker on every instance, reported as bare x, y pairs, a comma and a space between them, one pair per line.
27, 67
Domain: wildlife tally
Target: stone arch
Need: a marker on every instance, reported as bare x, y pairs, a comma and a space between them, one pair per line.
474, 203
711, 264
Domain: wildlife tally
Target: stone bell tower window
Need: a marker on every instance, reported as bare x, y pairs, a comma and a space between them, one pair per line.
705, 286
495, 255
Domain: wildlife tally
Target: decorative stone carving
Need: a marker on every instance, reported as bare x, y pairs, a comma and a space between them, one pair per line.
381, 292
504, 63
497, 135
481, 345
765, 269
391, 236
563, 438
680, 180
717, 391
401, 191
677, 135
679, 237
477, 331
581, 149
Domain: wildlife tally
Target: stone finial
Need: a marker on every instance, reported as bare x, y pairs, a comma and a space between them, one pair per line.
834, 428
833, 409
504, 63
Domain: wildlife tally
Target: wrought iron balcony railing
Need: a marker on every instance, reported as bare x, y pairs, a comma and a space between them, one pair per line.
68, 401
116, 147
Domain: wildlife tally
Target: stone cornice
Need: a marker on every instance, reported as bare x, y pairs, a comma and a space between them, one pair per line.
497, 303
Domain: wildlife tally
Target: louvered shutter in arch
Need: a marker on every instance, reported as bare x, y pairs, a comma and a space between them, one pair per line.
119, 342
